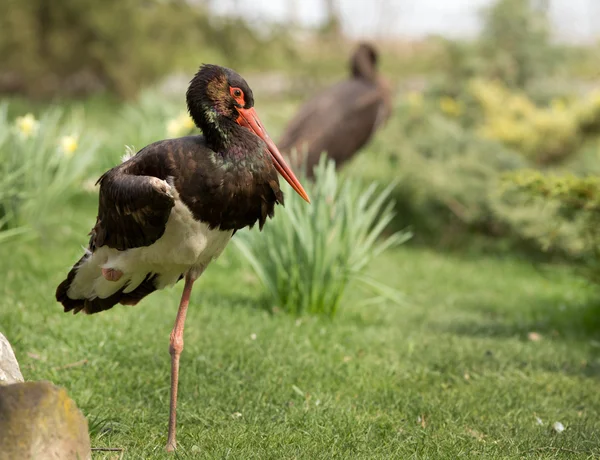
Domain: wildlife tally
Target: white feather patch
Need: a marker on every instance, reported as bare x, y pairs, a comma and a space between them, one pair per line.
186, 245
129, 153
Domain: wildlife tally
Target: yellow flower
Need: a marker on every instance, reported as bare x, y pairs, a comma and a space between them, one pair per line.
27, 125
68, 144
450, 106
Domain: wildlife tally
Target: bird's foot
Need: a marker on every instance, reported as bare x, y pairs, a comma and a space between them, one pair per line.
162, 186
110, 274
171, 446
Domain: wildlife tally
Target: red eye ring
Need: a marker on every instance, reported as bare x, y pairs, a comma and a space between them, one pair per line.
238, 95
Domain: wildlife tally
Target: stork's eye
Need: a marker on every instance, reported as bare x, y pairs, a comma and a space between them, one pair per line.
238, 95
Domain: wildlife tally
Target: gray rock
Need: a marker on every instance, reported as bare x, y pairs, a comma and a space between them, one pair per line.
38, 421
9, 367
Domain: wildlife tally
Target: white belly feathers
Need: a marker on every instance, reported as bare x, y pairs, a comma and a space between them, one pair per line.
186, 245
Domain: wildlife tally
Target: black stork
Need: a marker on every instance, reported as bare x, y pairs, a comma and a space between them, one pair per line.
171, 209
341, 119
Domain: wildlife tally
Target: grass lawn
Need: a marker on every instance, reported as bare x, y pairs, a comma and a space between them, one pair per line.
450, 373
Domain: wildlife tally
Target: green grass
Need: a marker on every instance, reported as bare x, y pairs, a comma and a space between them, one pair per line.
456, 355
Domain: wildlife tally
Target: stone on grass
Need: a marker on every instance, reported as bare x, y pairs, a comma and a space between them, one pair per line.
9, 367
38, 421
558, 427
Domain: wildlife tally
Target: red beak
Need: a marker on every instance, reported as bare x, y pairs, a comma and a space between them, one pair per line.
249, 119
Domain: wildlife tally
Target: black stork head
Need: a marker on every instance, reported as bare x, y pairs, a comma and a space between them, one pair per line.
363, 63
220, 101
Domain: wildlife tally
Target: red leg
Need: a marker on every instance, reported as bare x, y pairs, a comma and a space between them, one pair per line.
175, 349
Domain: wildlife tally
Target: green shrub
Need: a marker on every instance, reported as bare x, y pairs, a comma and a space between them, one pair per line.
446, 173
77, 47
43, 163
549, 132
544, 135
309, 254
570, 223
450, 171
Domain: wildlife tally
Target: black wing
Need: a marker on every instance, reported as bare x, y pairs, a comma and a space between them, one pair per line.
133, 210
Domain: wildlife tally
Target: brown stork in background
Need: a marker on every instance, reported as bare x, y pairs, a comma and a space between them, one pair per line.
340, 119
171, 209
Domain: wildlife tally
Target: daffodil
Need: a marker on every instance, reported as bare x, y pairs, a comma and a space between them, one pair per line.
27, 125
68, 144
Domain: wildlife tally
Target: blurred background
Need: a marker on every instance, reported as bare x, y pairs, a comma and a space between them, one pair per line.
490, 100
492, 136
480, 88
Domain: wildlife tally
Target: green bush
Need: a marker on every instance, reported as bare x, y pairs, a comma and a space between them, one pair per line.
80, 46
450, 169
309, 254
544, 135
573, 222
42, 165
446, 173
76, 47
